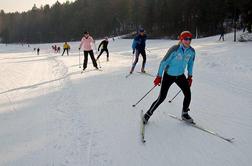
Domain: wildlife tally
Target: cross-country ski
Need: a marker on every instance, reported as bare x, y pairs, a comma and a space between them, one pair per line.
142, 128
202, 128
146, 73
89, 70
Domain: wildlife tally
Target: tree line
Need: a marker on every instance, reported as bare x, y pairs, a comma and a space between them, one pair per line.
68, 21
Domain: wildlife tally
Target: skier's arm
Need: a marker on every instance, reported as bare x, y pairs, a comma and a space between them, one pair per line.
167, 59
92, 40
134, 45
100, 45
81, 43
93, 43
165, 62
190, 64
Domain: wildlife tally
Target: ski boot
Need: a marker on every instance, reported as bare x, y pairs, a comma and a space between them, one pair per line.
131, 71
185, 116
143, 71
146, 117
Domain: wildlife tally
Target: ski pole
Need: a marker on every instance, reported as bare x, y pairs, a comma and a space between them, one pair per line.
79, 60
174, 96
144, 96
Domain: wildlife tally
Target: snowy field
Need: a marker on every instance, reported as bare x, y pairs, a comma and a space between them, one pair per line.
51, 115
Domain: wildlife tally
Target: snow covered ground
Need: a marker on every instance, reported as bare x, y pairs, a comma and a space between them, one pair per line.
51, 115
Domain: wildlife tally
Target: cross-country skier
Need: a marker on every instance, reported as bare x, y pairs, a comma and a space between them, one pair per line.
222, 32
38, 51
104, 45
66, 48
86, 42
138, 47
171, 70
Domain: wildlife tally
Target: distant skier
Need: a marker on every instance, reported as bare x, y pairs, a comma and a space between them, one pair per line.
171, 70
38, 51
66, 48
222, 32
58, 50
55, 48
104, 45
138, 47
86, 42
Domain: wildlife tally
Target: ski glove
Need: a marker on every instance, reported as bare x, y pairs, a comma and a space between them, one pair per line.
133, 52
189, 79
157, 81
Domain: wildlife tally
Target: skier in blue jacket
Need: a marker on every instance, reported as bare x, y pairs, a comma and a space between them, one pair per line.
171, 70
138, 47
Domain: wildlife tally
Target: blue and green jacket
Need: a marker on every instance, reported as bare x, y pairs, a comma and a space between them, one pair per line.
176, 60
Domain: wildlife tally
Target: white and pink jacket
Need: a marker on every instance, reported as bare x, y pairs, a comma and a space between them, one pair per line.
86, 43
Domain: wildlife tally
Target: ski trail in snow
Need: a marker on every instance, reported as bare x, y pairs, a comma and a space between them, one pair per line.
89, 148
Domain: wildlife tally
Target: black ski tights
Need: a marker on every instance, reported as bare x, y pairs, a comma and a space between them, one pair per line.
167, 81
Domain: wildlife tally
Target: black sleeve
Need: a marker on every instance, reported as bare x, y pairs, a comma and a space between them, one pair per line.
100, 44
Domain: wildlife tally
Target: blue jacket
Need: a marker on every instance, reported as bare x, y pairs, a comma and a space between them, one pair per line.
176, 60
139, 42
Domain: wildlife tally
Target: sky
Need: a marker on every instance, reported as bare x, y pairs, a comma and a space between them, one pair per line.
24, 5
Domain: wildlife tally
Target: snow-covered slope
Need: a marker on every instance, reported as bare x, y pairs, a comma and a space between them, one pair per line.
50, 114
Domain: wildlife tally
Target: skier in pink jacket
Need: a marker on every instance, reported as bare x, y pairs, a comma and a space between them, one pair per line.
86, 42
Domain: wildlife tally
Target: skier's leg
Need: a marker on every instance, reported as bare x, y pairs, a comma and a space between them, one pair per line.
167, 81
93, 59
67, 51
182, 82
184, 85
135, 62
63, 52
106, 50
100, 54
143, 53
85, 60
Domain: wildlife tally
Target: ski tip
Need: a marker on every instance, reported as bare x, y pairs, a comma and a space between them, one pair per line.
231, 140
